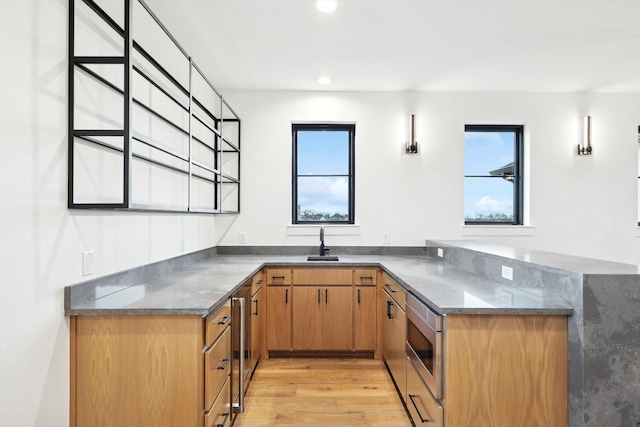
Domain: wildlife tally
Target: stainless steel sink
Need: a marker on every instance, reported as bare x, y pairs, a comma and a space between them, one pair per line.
322, 258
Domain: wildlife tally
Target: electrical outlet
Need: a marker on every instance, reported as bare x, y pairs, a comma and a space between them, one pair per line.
182, 244
242, 237
440, 253
87, 263
386, 238
507, 272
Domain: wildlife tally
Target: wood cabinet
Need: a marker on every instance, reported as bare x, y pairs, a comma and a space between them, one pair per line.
322, 309
394, 331
519, 370
150, 371
364, 318
257, 316
279, 302
322, 318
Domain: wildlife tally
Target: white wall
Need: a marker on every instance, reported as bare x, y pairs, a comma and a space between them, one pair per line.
41, 242
581, 205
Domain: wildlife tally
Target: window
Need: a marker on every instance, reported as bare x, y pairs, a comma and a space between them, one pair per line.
323, 173
493, 158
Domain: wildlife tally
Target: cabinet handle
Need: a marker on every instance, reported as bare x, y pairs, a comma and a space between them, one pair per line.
226, 418
366, 277
422, 419
389, 304
278, 277
286, 296
358, 296
393, 291
326, 296
259, 282
256, 313
224, 320
224, 364
318, 295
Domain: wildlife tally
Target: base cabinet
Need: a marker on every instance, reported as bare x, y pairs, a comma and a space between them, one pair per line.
279, 308
322, 318
364, 318
394, 332
257, 316
321, 309
506, 371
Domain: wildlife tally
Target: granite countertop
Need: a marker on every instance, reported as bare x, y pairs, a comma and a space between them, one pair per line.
201, 287
542, 259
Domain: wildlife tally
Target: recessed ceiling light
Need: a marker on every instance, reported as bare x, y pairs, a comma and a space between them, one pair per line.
326, 6
324, 80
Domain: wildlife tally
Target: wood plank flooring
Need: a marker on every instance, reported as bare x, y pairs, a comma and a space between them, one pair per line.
322, 392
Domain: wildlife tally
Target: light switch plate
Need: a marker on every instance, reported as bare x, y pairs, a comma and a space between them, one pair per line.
440, 252
242, 237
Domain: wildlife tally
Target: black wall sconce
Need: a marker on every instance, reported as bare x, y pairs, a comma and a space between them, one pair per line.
585, 148
412, 145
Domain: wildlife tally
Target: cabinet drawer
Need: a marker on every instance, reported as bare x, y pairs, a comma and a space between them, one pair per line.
256, 283
278, 277
365, 277
217, 367
394, 289
424, 409
322, 276
220, 413
216, 322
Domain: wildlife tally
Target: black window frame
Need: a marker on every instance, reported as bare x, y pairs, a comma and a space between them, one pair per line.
295, 128
518, 171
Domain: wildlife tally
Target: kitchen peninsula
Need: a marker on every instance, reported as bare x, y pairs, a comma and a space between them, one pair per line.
465, 280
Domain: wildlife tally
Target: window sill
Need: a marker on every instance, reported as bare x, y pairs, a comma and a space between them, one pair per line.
329, 230
497, 230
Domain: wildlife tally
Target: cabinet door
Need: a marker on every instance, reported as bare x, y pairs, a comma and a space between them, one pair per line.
145, 371
398, 352
394, 333
279, 318
364, 328
337, 333
307, 317
257, 331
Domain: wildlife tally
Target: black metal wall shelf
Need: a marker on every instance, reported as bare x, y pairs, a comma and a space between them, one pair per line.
147, 129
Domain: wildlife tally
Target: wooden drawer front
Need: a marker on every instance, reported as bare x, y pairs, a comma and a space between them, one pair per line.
216, 322
278, 277
424, 409
217, 366
322, 276
365, 277
394, 289
256, 283
220, 413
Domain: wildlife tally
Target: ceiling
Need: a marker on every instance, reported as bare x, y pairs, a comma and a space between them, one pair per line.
412, 45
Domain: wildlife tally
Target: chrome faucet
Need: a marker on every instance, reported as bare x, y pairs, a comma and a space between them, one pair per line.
323, 249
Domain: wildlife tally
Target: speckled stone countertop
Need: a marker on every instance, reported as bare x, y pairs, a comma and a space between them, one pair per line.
202, 286
541, 259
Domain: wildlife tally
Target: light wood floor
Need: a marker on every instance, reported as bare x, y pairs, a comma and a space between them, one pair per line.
322, 392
